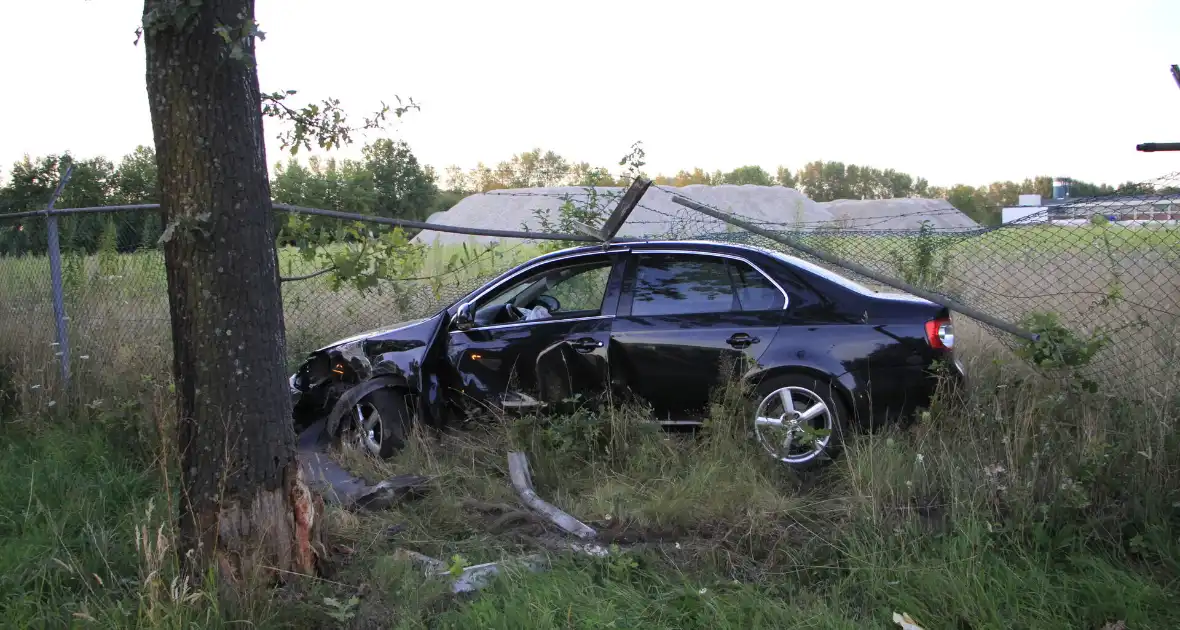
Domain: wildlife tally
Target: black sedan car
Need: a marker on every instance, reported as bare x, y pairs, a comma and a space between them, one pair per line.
655, 320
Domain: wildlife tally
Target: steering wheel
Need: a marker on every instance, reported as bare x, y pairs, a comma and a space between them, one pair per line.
513, 312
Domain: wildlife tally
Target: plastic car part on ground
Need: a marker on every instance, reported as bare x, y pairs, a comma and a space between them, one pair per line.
339, 486
905, 621
478, 576
518, 470
470, 578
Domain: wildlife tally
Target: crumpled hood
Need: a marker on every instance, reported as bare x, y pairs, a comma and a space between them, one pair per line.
394, 331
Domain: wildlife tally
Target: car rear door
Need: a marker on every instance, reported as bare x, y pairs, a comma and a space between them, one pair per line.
524, 364
682, 314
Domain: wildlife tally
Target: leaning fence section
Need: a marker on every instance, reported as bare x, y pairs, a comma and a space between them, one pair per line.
1097, 280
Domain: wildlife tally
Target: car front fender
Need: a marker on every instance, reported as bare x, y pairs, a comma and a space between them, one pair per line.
353, 395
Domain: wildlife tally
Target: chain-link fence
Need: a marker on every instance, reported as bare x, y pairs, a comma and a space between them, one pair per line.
1098, 278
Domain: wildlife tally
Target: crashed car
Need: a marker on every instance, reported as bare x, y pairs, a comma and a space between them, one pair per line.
653, 320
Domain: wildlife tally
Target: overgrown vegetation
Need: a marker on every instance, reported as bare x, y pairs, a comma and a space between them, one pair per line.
1020, 503
924, 264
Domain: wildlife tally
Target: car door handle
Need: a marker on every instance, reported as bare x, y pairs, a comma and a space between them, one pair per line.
586, 344
742, 340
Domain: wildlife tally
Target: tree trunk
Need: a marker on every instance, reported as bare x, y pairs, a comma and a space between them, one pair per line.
246, 508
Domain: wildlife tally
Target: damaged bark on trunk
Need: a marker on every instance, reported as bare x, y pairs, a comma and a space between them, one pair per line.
246, 508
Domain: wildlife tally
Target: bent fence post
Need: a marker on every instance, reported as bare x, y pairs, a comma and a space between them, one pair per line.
942, 300
59, 307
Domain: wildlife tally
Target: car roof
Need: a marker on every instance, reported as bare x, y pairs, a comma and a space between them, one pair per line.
689, 244
799, 264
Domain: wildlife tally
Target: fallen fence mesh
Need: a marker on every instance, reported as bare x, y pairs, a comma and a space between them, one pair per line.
1097, 278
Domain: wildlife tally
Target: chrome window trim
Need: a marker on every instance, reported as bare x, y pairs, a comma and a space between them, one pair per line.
623, 248
786, 299
553, 320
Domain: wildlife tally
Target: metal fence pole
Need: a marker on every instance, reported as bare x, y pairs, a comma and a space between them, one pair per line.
59, 307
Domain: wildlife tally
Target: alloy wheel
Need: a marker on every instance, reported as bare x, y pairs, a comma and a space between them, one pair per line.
368, 427
793, 424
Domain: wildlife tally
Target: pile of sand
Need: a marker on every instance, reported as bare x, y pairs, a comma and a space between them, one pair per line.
658, 215
896, 214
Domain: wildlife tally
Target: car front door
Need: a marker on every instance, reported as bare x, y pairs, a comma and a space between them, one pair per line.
681, 316
516, 356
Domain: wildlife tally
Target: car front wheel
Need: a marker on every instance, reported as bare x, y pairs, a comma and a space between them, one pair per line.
381, 422
800, 421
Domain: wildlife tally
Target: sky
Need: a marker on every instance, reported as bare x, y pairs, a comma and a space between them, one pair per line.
955, 91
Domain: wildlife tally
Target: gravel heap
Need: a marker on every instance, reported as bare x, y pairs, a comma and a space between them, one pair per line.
659, 215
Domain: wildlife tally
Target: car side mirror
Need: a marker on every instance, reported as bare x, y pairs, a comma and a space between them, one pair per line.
464, 317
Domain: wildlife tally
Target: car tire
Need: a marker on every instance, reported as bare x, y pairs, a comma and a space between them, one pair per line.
381, 422
805, 391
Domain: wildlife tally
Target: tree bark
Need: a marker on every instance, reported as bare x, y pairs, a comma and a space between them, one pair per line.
246, 509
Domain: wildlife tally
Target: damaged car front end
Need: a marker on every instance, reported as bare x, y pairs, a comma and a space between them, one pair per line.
334, 381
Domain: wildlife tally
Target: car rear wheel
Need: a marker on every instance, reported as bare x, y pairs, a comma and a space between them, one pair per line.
800, 421
381, 422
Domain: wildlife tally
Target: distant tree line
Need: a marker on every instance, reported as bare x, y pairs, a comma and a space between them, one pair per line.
94, 182
389, 181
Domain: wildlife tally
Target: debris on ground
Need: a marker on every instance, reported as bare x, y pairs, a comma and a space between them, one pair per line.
341, 487
905, 621
394, 490
518, 470
472, 578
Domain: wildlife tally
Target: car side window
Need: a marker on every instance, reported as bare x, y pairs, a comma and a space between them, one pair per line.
582, 290
685, 284
676, 284
579, 289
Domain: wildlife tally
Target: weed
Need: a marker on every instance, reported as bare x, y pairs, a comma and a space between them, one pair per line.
923, 265
1058, 346
341, 611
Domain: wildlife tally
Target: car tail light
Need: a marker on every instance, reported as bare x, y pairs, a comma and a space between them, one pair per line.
940, 333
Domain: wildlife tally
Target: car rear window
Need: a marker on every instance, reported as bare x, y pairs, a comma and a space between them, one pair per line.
754, 291
826, 274
681, 284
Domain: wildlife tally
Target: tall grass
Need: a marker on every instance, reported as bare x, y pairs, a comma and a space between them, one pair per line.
1014, 504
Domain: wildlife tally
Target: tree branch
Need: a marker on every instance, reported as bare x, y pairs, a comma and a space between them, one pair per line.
327, 125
